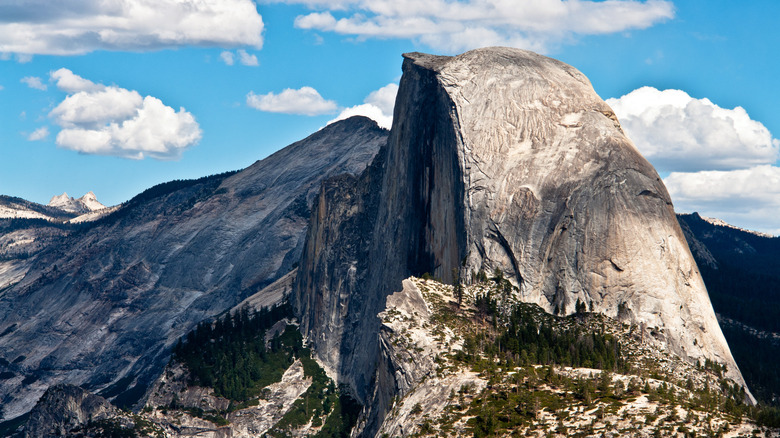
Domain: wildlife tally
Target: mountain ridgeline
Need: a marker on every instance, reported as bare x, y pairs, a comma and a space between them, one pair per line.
102, 306
465, 273
499, 159
742, 273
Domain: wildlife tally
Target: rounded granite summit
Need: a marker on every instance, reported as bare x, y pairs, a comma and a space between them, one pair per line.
501, 158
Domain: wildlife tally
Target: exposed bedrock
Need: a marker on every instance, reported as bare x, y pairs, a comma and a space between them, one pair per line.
501, 158
101, 307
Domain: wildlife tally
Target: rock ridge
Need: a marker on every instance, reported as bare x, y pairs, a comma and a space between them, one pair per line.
84, 204
101, 307
503, 159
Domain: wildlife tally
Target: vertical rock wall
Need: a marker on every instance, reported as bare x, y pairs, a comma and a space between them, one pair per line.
501, 158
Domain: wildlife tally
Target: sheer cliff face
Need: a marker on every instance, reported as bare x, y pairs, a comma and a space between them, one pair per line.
501, 158
102, 306
560, 198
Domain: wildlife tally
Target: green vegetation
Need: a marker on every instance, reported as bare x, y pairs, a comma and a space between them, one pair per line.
320, 396
517, 348
515, 401
752, 298
343, 418
109, 428
758, 360
169, 187
320, 401
527, 335
532, 342
8, 225
744, 286
231, 355
768, 416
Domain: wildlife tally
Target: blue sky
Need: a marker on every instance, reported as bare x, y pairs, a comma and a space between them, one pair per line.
115, 99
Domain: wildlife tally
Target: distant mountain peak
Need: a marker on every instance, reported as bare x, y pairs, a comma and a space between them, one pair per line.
59, 200
91, 202
84, 204
721, 223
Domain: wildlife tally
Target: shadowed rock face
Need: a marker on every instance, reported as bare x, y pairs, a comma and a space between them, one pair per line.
64, 407
502, 158
102, 306
560, 199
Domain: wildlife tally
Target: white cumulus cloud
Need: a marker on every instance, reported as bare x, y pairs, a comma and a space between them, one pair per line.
721, 162
384, 98
68, 27
677, 132
109, 120
749, 198
304, 101
39, 134
33, 82
457, 25
247, 58
378, 105
71, 83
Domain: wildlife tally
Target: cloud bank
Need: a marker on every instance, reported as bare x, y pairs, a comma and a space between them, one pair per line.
679, 133
70, 27
71, 83
109, 120
721, 162
307, 101
749, 198
457, 25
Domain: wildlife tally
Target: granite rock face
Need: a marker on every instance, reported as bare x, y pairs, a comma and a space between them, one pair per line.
412, 346
501, 158
63, 408
101, 306
251, 421
81, 205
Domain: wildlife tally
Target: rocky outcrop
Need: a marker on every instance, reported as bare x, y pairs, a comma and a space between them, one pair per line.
271, 295
84, 204
413, 361
560, 199
101, 307
172, 389
427, 339
338, 314
501, 159
64, 408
